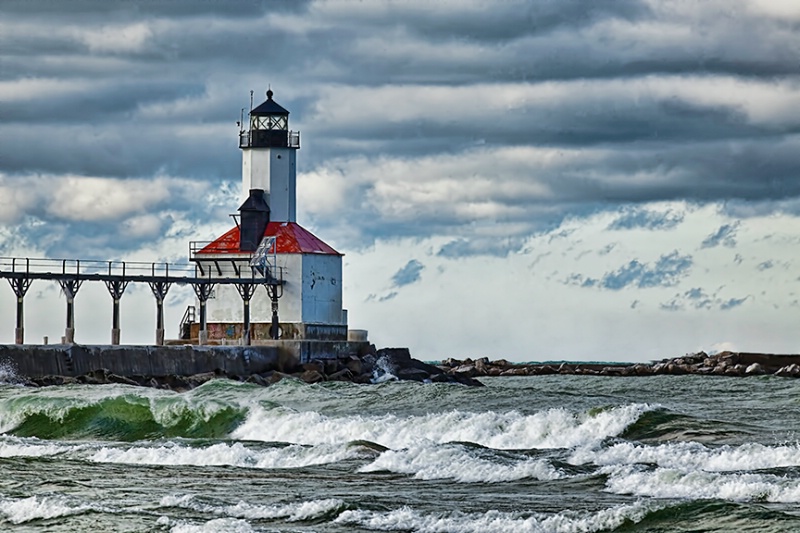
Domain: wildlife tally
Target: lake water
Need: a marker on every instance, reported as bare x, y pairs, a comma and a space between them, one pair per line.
527, 454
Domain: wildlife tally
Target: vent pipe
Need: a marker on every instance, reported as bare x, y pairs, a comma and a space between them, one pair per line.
254, 215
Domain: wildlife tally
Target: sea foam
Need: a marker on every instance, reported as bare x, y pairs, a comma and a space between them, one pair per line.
673, 483
691, 456
19, 511
291, 512
407, 519
552, 428
218, 525
236, 454
453, 461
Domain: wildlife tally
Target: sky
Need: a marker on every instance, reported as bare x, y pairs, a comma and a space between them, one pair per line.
518, 179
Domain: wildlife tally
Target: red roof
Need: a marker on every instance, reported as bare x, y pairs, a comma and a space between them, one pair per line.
292, 238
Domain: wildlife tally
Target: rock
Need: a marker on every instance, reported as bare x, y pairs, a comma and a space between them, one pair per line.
312, 376
395, 354
256, 379
792, 370
196, 380
515, 371
113, 378
466, 370
342, 375
277, 376
368, 364
331, 366
413, 374
754, 370
315, 365
354, 365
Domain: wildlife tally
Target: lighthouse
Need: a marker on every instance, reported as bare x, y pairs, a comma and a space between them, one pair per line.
303, 299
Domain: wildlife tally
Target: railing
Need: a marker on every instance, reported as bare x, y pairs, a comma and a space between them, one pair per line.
196, 246
84, 267
81, 269
189, 318
269, 138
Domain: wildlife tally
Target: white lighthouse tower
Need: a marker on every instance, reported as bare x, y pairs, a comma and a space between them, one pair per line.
269, 159
310, 304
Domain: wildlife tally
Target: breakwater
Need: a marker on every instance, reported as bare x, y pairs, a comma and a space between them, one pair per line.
182, 368
731, 364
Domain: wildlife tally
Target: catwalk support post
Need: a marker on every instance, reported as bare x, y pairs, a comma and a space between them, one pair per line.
20, 286
203, 291
160, 290
116, 290
70, 289
246, 291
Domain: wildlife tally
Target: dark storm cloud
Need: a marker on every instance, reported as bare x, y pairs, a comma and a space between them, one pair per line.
519, 113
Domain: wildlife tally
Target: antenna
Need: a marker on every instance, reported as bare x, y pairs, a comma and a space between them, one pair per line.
251, 99
241, 121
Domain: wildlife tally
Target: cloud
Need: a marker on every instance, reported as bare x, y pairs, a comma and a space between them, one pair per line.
698, 298
733, 302
766, 265
478, 246
725, 236
666, 272
408, 274
633, 218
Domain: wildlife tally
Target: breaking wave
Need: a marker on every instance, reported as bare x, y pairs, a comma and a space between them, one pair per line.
552, 428
407, 519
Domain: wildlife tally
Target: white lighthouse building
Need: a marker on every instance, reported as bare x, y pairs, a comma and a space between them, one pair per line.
309, 295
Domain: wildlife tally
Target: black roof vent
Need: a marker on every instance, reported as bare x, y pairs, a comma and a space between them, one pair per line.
254, 213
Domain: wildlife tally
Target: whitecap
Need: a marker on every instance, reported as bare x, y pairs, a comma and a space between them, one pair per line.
691, 456
223, 454
674, 483
291, 512
407, 519
218, 525
427, 461
552, 428
19, 511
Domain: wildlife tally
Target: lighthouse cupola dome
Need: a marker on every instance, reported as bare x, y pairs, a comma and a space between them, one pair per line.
269, 127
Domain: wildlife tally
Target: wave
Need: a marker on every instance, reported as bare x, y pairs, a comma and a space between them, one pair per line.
459, 463
696, 485
552, 428
176, 453
118, 416
692, 456
22, 510
662, 425
304, 511
236, 454
218, 525
407, 519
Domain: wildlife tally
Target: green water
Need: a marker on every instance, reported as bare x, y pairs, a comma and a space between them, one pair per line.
548, 453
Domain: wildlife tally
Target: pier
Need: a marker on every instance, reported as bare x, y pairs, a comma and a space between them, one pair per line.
71, 274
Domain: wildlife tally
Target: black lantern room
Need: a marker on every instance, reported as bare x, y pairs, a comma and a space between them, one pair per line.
269, 127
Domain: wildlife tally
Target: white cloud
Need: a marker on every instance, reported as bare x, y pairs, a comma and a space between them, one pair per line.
116, 38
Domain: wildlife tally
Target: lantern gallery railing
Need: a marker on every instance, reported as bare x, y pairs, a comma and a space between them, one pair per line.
269, 139
116, 275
